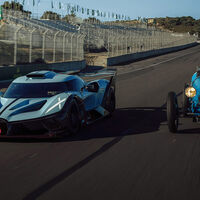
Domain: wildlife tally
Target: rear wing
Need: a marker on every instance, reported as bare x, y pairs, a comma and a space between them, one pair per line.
108, 74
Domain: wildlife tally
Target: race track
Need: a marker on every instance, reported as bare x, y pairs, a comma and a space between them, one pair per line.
131, 156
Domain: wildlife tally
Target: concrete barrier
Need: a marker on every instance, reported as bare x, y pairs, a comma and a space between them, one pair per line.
11, 72
136, 56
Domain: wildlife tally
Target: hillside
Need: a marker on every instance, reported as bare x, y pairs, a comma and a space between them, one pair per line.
179, 24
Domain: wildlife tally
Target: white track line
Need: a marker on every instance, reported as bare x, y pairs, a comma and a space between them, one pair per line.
155, 64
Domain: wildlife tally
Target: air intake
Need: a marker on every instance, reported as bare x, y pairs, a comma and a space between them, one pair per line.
41, 75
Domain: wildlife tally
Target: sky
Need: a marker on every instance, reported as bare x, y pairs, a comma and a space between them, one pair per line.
131, 8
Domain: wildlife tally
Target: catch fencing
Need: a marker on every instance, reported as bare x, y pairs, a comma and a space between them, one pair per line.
119, 39
26, 39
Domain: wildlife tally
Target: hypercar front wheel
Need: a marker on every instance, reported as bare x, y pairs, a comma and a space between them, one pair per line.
74, 120
172, 112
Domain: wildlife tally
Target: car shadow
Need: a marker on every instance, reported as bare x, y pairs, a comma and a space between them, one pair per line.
125, 121
189, 131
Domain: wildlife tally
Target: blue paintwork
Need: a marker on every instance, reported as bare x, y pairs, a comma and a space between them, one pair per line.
194, 102
49, 77
13, 110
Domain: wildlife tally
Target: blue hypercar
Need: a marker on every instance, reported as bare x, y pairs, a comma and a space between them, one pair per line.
46, 103
190, 103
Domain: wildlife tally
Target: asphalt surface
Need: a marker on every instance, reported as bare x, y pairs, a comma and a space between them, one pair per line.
129, 156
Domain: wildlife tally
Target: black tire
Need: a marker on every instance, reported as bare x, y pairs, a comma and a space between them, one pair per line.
111, 102
185, 103
74, 119
172, 112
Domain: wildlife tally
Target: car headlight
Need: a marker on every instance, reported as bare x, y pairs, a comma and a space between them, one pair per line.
190, 92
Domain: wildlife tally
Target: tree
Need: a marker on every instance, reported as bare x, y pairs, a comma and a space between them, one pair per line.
51, 15
69, 18
92, 20
15, 6
12, 6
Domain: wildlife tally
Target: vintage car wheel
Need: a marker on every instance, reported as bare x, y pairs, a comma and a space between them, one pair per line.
172, 112
185, 102
74, 119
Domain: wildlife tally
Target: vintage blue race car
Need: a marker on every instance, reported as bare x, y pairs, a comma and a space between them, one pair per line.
46, 103
190, 103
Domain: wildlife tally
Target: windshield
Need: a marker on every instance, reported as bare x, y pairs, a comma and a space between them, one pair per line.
36, 90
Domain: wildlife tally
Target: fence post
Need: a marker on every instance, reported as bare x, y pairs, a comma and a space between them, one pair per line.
88, 40
108, 54
15, 47
54, 46
117, 44
82, 48
64, 38
31, 45
77, 46
72, 46
43, 43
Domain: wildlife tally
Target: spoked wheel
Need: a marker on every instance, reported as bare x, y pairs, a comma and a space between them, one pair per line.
172, 112
74, 118
111, 102
185, 102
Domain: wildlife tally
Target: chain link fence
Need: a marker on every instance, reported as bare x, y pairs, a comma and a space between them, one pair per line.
118, 39
25, 39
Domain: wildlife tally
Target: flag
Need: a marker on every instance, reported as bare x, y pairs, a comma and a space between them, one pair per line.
60, 6
33, 2
88, 11
68, 7
52, 4
93, 12
23, 2
82, 10
38, 2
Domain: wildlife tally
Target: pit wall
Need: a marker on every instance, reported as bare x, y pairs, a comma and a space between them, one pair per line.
142, 55
11, 72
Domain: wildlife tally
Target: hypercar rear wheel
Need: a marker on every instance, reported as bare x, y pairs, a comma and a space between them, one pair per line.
74, 119
172, 112
110, 101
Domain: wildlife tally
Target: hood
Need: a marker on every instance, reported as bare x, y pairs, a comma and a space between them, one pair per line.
195, 82
31, 108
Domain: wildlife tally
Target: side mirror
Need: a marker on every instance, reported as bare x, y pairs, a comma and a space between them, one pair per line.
82, 89
93, 87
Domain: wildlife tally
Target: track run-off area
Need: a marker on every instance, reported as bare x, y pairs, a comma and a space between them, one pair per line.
131, 155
